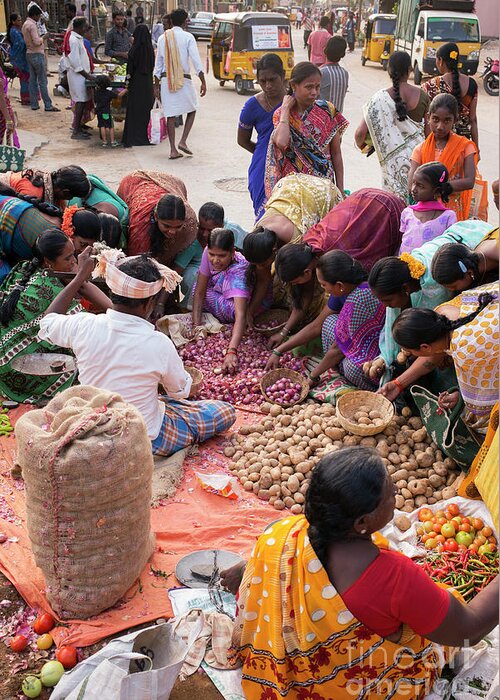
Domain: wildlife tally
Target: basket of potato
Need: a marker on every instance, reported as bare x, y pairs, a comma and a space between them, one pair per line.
364, 412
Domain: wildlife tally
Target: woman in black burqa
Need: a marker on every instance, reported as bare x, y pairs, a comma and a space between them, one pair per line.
140, 97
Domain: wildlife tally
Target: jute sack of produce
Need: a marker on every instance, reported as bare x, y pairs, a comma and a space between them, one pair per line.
87, 464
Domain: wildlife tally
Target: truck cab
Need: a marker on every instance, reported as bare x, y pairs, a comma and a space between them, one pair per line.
432, 29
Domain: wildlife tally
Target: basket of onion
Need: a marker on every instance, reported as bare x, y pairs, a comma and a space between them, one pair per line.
270, 322
284, 387
197, 378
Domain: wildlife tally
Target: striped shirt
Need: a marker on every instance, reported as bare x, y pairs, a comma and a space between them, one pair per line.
334, 84
308, 24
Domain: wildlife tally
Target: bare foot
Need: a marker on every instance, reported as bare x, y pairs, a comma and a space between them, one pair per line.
183, 147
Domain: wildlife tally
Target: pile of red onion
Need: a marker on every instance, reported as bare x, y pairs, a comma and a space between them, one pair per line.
267, 326
284, 391
207, 355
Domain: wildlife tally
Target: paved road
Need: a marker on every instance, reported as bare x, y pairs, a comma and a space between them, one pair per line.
217, 156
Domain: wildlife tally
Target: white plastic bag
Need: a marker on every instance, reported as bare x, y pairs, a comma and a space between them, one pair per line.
144, 664
157, 129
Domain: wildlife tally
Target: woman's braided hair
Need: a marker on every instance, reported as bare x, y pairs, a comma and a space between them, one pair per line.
43, 207
50, 245
416, 327
450, 54
344, 486
399, 66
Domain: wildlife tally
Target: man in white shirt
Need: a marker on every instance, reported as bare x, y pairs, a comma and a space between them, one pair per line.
173, 82
122, 352
78, 67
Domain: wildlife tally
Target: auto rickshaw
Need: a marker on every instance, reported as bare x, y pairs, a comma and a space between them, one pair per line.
240, 39
379, 39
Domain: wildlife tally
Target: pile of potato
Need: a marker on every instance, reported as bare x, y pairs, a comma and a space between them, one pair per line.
275, 457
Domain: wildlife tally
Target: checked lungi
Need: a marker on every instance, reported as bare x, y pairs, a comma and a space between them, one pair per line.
187, 422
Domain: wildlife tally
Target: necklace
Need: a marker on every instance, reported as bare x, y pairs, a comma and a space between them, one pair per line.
269, 105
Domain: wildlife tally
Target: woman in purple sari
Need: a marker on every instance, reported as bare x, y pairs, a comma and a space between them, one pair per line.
222, 289
257, 113
349, 326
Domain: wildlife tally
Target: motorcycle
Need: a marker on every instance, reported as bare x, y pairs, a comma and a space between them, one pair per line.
490, 77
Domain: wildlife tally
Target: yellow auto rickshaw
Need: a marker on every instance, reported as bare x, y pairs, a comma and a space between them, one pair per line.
240, 39
379, 39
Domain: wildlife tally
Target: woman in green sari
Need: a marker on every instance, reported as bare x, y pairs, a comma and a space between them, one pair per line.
25, 295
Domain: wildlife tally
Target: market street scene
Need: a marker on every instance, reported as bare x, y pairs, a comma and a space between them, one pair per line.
249, 350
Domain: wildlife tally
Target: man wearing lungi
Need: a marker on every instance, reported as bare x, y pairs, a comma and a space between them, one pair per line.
176, 52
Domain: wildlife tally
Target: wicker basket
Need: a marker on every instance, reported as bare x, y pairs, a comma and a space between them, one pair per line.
272, 377
197, 377
277, 316
349, 404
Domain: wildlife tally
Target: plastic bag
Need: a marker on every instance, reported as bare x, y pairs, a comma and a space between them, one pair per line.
157, 127
143, 664
219, 484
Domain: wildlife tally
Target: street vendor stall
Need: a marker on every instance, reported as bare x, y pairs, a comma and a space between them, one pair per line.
117, 76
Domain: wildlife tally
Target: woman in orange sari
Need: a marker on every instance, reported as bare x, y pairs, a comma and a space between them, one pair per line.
456, 153
324, 614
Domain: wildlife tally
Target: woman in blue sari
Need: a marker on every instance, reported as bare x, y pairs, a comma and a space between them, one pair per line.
257, 114
18, 55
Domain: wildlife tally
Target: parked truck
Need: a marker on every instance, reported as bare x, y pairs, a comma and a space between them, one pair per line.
422, 26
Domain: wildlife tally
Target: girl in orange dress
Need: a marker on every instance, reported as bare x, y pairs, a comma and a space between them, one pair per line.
456, 153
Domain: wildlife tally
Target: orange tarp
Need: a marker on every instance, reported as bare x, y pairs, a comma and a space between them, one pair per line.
194, 519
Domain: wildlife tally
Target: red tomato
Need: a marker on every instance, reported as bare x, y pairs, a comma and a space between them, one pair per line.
437, 527
431, 543
477, 523
439, 514
465, 527
18, 643
428, 526
44, 623
480, 539
425, 537
453, 509
67, 656
474, 547
447, 530
493, 547
466, 520
492, 540
439, 548
451, 546
424, 514
458, 520
440, 539
487, 531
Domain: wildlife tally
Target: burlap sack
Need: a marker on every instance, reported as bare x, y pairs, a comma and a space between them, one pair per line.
87, 464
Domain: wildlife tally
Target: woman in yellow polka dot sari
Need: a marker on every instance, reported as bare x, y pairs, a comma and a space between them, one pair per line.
324, 614
465, 328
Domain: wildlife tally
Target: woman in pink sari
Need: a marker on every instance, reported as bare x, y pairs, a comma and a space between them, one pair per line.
365, 225
7, 121
307, 133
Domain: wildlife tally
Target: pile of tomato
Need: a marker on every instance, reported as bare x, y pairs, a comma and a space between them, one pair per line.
449, 531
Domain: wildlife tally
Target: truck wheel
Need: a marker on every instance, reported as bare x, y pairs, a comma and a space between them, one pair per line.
417, 75
363, 60
239, 85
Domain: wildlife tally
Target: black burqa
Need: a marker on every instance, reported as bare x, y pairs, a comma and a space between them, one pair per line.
140, 98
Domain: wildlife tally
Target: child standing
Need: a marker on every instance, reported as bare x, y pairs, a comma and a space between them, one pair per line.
428, 218
456, 153
103, 96
222, 289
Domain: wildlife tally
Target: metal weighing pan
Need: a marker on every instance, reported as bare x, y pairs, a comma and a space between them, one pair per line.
203, 561
43, 364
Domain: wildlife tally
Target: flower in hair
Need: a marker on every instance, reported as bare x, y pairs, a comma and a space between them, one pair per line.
417, 269
67, 220
454, 55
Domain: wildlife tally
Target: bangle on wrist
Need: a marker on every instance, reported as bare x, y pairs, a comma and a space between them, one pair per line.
277, 353
399, 385
284, 333
231, 351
